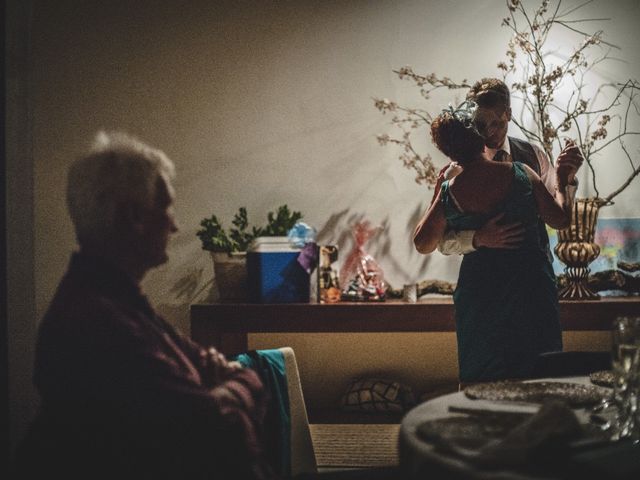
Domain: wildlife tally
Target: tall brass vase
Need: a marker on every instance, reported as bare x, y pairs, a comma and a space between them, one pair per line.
577, 250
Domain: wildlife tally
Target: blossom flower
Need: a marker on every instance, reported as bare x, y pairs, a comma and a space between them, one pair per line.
383, 139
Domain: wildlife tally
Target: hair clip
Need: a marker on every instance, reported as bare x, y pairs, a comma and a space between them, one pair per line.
463, 113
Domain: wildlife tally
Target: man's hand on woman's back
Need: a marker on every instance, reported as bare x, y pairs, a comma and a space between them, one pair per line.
494, 234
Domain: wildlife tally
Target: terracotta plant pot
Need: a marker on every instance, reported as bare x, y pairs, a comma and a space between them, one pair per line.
230, 276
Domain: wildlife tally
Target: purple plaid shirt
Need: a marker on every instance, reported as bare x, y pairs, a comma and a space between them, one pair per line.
122, 391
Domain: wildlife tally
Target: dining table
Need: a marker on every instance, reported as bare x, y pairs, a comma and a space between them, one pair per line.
440, 437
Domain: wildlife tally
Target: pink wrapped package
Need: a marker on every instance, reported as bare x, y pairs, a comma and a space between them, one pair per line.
361, 277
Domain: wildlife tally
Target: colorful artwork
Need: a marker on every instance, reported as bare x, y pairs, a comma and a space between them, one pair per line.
618, 238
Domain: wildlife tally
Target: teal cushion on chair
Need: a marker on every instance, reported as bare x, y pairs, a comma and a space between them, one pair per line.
270, 366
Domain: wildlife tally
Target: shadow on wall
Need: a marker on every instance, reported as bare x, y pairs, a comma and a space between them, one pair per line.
190, 288
417, 258
338, 230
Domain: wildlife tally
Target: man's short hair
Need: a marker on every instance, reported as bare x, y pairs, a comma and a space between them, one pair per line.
119, 169
490, 93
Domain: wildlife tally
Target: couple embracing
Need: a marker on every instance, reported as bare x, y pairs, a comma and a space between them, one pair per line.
491, 204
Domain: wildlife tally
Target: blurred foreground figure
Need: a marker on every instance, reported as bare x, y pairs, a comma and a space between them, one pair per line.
123, 395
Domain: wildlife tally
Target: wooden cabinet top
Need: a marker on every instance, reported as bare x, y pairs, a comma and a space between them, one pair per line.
427, 315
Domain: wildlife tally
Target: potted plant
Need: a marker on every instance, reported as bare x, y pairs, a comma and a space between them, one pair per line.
559, 98
228, 249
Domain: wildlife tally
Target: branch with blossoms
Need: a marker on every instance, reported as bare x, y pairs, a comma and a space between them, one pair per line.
429, 83
426, 172
595, 117
555, 92
411, 120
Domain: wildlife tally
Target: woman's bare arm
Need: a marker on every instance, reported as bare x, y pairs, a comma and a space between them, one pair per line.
555, 212
431, 227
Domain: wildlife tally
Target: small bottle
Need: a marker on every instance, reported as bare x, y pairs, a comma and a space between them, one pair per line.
328, 284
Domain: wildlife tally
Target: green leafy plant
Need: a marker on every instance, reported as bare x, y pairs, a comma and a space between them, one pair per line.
241, 236
280, 223
215, 238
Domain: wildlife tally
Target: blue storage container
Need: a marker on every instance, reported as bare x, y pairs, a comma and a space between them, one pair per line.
274, 274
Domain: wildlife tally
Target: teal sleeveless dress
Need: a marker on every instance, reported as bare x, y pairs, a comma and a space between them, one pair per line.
506, 301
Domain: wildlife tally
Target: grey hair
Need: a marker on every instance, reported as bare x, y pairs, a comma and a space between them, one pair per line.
118, 169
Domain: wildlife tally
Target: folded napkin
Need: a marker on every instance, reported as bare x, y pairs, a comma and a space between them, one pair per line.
507, 439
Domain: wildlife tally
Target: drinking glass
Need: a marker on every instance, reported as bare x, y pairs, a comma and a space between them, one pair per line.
625, 355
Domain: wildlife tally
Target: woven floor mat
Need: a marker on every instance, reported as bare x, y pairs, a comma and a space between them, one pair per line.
355, 445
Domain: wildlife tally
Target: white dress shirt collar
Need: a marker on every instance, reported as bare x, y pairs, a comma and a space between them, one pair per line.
489, 153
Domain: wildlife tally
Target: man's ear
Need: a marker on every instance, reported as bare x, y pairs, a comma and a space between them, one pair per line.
131, 217
508, 113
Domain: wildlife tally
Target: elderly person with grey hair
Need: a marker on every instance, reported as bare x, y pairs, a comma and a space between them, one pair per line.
123, 394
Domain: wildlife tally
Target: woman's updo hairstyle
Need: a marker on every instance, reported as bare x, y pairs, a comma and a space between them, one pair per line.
454, 134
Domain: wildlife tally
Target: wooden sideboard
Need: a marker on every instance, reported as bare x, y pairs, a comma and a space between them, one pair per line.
227, 325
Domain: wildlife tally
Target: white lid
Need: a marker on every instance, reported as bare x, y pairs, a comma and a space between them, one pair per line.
272, 244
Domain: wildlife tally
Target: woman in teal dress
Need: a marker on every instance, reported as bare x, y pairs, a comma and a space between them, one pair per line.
506, 305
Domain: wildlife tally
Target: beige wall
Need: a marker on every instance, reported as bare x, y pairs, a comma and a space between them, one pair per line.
423, 361
260, 104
